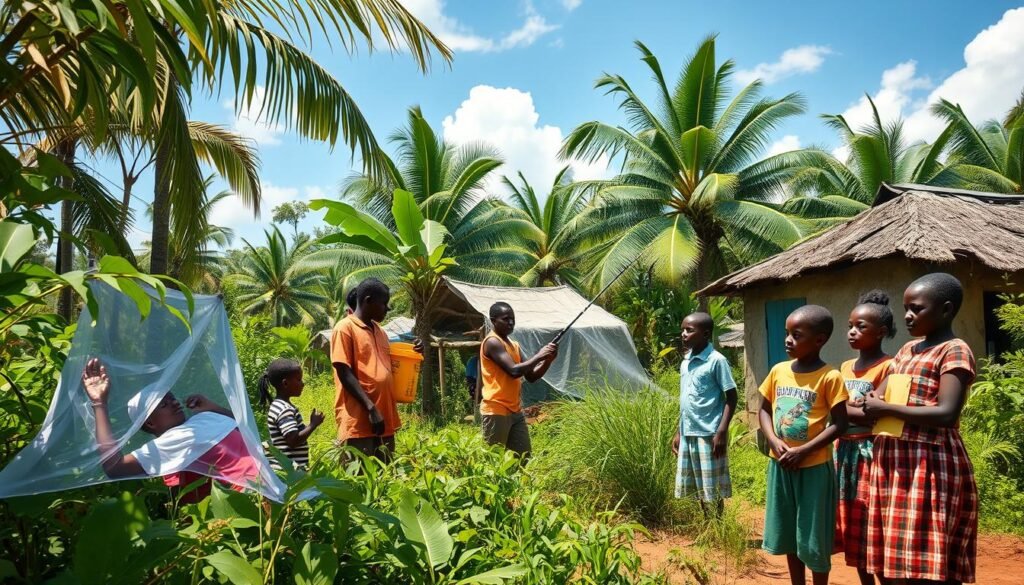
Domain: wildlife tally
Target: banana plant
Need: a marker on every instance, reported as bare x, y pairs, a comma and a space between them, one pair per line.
413, 254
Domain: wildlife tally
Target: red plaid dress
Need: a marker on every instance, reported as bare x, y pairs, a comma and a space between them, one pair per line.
923, 502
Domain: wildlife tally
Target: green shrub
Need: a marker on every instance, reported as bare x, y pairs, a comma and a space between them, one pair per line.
614, 447
448, 510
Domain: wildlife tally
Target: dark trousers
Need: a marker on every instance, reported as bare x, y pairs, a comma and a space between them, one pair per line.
381, 448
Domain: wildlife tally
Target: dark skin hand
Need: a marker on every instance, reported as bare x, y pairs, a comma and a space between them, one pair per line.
695, 338
297, 438
532, 369
864, 335
803, 344
931, 319
790, 457
292, 387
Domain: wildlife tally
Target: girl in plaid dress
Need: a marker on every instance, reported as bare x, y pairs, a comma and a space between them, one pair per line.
871, 321
923, 501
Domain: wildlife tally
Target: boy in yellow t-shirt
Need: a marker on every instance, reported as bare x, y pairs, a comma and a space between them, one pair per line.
800, 398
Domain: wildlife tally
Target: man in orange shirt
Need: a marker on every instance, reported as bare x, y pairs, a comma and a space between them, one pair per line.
501, 371
364, 405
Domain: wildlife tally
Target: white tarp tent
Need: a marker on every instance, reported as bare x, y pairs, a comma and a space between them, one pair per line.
598, 351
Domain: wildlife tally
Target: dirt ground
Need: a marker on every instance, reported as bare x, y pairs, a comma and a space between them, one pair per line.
1000, 562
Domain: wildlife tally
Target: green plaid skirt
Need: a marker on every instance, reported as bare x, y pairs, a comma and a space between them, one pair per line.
699, 472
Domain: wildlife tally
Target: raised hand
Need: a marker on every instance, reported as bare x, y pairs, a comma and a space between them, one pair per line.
96, 382
316, 418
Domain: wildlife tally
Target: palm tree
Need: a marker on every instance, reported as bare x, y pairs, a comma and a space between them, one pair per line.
272, 279
556, 255
201, 266
446, 182
215, 40
826, 187
688, 198
989, 157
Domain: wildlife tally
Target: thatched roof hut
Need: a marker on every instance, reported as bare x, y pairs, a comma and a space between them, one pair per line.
909, 231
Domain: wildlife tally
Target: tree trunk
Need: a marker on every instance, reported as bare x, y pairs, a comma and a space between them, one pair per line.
65, 151
431, 404
160, 238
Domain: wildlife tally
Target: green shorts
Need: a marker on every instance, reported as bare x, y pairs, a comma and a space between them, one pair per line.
800, 514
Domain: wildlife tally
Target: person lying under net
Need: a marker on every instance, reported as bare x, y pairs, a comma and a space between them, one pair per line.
184, 448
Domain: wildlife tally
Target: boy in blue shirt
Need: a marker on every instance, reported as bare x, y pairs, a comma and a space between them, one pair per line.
707, 402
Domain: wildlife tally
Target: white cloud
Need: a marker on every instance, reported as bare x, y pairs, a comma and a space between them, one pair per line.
787, 143
460, 37
985, 87
802, 59
249, 123
989, 83
232, 214
508, 119
571, 5
895, 94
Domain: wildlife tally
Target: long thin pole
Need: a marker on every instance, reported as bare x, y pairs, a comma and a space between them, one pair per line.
606, 287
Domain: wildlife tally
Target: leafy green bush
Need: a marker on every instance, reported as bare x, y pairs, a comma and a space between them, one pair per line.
448, 510
614, 447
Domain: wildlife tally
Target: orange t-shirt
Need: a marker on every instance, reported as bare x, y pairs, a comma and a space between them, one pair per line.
365, 349
858, 384
501, 393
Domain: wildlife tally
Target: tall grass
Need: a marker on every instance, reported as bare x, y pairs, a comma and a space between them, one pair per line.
614, 447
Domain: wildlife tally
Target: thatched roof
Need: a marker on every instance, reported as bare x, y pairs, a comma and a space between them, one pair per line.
917, 222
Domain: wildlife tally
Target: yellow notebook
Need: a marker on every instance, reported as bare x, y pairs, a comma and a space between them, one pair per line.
897, 391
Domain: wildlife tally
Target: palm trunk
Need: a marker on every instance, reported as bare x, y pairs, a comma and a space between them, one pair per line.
161, 211
431, 404
65, 250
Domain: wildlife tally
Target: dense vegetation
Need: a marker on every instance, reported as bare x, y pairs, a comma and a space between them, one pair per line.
695, 197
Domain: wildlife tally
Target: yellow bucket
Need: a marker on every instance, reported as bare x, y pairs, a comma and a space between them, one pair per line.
405, 371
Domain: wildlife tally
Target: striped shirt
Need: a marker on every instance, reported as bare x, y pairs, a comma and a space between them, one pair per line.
283, 419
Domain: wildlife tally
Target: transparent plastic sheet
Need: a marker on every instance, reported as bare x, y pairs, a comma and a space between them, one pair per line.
594, 357
145, 359
598, 352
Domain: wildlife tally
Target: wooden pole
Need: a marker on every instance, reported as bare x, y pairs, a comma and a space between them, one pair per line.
440, 368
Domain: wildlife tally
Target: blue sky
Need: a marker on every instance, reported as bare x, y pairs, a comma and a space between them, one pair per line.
523, 76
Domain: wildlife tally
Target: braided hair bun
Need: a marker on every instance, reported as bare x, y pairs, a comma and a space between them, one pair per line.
879, 301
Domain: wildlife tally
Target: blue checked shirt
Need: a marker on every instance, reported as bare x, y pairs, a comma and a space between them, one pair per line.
703, 380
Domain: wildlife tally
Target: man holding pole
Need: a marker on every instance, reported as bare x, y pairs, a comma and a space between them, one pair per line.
501, 372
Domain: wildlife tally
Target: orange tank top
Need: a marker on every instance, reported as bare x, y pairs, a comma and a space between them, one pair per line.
500, 392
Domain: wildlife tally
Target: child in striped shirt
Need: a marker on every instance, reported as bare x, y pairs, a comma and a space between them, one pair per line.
288, 434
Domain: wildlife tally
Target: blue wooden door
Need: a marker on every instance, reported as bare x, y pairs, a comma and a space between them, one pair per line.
775, 313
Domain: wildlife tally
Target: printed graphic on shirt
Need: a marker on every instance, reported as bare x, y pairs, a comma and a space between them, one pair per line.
792, 406
858, 389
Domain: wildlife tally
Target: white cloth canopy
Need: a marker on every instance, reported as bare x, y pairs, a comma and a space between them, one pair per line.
597, 352
145, 359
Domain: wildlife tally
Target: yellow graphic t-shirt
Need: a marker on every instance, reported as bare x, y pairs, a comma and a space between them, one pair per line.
858, 384
801, 404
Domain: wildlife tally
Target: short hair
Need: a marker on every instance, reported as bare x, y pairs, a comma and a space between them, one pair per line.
373, 288
878, 301
818, 317
702, 320
500, 308
352, 298
942, 287
276, 372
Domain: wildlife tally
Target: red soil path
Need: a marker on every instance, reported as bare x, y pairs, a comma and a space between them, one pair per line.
1000, 562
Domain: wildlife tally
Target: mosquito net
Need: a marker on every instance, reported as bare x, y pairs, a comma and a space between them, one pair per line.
176, 402
598, 351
